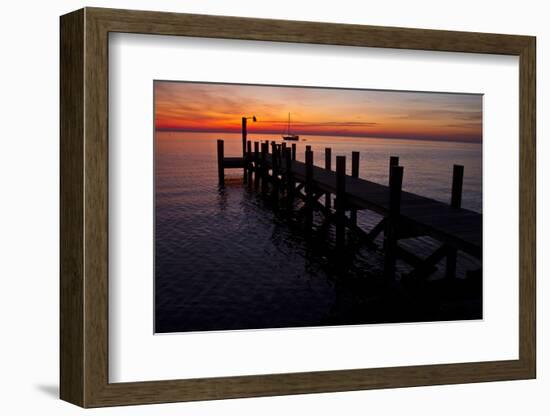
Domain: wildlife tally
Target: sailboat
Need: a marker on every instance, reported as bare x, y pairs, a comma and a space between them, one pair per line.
289, 136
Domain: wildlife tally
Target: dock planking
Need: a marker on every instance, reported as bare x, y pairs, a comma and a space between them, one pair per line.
458, 227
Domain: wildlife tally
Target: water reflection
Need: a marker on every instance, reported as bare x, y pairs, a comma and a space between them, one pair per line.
230, 182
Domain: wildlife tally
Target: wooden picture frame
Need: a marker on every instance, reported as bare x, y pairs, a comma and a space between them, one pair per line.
84, 207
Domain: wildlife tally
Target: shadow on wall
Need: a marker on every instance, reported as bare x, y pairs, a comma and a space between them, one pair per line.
49, 390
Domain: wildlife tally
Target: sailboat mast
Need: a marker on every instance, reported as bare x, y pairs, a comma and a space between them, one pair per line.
288, 128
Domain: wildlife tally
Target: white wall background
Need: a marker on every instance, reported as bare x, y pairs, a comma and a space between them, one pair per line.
29, 207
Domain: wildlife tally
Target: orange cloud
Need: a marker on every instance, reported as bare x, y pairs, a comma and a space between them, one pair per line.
213, 107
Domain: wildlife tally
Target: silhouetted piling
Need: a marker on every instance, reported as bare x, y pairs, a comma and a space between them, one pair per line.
309, 189
392, 221
275, 173
456, 202
289, 178
354, 174
263, 167
394, 161
340, 202
256, 162
456, 193
220, 162
328, 166
244, 132
248, 162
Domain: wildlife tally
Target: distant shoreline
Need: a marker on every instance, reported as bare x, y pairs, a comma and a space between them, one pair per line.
444, 140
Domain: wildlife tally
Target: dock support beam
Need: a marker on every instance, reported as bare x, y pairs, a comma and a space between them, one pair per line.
390, 235
220, 162
456, 202
293, 151
328, 166
340, 202
354, 174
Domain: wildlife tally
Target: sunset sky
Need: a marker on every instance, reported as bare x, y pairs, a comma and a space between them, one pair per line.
207, 107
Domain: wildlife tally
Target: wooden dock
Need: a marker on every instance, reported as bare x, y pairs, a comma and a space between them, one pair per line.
405, 215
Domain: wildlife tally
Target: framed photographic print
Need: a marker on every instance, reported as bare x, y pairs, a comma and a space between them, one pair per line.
255, 207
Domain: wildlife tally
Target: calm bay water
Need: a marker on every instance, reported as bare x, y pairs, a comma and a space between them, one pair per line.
224, 260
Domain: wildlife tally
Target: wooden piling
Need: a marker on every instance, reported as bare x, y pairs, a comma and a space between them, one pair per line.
309, 189
392, 221
220, 162
293, 151
328, 166
274, 158
263, 167
248, 162
256, 162
308, 148
275, 173
458, 178
340, 202
244, 135
354, 174
355, 164
394, 161
328, 158
287, 157
289, 177
456, 202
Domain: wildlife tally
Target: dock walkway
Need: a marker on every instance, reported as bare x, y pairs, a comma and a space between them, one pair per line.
456, 226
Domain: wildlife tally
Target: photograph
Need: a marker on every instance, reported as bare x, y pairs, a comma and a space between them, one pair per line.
283, 206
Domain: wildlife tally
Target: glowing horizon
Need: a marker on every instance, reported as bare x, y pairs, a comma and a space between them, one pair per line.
210, 107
